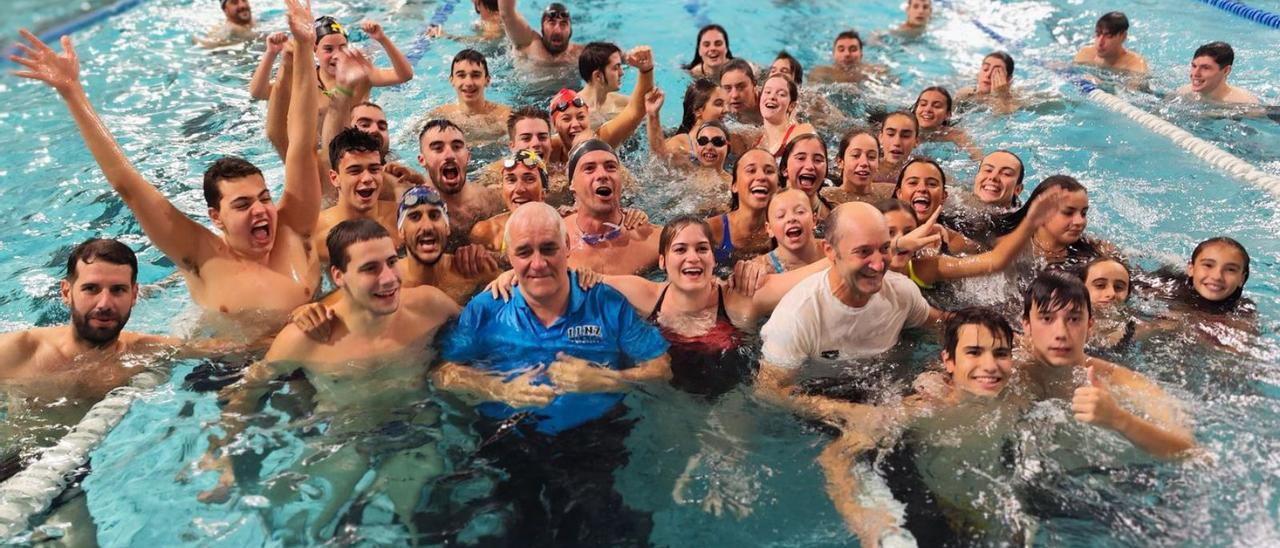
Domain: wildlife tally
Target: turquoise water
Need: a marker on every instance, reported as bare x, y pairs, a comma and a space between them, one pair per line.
175, 108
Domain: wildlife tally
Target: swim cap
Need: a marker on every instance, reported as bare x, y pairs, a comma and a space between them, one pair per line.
420, 195
555, 10
563, 99
326, 25
590, 145
529, 158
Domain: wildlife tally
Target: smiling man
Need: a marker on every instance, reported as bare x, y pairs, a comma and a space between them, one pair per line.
598, 241
444, 154
237, 25
1210, 66
262, 265
357, 160
854, 310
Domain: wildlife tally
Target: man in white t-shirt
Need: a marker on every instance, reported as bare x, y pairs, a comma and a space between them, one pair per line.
855, 309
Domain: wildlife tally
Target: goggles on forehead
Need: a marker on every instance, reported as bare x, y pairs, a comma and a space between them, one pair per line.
555, 11
528, 158
416, 196
563, 105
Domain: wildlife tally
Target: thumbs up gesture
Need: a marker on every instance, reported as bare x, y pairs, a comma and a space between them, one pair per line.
1094, 404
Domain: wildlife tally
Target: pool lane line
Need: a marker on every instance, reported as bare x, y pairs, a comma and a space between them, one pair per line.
698, 10
1202, 149
78, 23
422, 42
1241, 9
31, 491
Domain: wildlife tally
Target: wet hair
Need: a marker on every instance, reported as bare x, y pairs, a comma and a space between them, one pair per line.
910, 115
695, 98
848, 35
797, 71
733, 177
697, 45
350, 232
438, 124
890, 205
595, 57
226, 167
739, 65
353, 140
491, 5
1006, 59
945, 94
1234, 244
848, 138
1067, 183
1054, 290
791, 146
1220, 52
105, 249
902, 174
974, 315
677, 224
471, 56
1084, 272
368, 104
527, 112
792, 88
1022, 171
1112, 23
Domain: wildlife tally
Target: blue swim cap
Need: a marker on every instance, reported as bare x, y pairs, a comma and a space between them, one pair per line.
420, 195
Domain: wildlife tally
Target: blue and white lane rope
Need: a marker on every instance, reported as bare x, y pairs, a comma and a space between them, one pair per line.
423, 41
1200, 148
80, 22
1240, 9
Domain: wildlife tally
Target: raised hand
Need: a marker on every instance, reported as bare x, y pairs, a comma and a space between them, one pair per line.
1046, 205
301, 23
60, 71
276, 42
473, 260
404, 174
373, 29
353, 68
653, 101
641, 57
924, 235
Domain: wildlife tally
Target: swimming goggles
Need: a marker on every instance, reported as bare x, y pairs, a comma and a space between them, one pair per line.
555, 11
527, 157
595, 239
717, 141
563, 105
420, 195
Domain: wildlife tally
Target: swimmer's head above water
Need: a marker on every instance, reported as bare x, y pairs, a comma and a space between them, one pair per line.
933, 108
858, 158
370, 118
977, 350
423, 221
529, 127
685, 252
600, 64
469, 75
330, 37
738, 80
791, 221
1218, 269
240, 206
899, 136
1108, 280
999, 179
357, 160
857, 244
704, 101
754, 180
787, 65
538, 249
996, 72
923, 184
595, 179
711, 144
100, 289
362, 264
711, 51
779, 97
524, 179
804, 164
846, 51
1109, 35
444, 154
919, 12
1056, 316
237, 12
557, 28
570, 115
900, 219
1210, 66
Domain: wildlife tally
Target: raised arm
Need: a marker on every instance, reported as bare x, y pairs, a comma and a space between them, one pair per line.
517, 28
352, 78
776, 286
278, 104
401, 70
181, 239
621, 127
945, 267
653, 123
300, 205
260, 85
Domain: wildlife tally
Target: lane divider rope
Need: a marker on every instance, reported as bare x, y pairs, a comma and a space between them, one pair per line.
1240, 9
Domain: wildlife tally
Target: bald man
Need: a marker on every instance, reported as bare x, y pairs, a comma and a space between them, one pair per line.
854, 310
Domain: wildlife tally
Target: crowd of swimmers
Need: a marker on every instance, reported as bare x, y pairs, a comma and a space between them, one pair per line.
542, 300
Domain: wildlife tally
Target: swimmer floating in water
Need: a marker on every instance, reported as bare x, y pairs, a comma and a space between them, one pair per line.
1210, 66
237, 26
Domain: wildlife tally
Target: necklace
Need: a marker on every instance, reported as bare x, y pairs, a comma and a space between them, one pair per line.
1048, 254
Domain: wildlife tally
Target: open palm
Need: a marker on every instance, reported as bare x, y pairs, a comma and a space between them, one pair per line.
62, 71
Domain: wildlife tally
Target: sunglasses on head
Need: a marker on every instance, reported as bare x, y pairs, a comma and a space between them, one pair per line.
717, 141
562, 106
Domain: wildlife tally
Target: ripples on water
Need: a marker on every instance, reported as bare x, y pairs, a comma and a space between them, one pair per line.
176, 108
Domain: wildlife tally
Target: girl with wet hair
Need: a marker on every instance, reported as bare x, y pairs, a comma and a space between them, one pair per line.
1061, 242
741, 233
779, 97
857, 160
710, 52
933, 110
804, 167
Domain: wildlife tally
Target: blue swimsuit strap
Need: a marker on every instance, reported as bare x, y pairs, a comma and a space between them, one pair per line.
777, 264
725, 250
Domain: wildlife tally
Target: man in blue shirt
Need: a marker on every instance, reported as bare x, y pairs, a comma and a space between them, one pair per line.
553, 364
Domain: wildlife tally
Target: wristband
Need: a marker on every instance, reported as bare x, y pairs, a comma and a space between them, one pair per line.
344, 91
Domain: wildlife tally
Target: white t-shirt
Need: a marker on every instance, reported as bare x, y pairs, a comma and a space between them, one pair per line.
811, 326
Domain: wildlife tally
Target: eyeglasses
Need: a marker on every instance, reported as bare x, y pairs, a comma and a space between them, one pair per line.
596, 239
562, 106
717, 141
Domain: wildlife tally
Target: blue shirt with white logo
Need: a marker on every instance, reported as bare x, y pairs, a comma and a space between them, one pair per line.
598, 325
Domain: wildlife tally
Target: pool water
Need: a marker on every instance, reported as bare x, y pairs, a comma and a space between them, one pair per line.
176, 108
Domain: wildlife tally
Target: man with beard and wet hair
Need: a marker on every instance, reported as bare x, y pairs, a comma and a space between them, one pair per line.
552, 46
598, 238
236, 27
357, 161
443, 153
262, 265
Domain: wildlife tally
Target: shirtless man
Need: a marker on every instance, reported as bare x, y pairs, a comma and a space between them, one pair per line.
1108, 51
553, 45
423, 222
366, 372
1210, 67
600, 66
1056, 317
236, 27
481, 118
738, 80
444, 154
919, 12
598, 240
570, 114
357, 173
263, 263
847, 65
